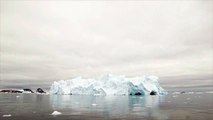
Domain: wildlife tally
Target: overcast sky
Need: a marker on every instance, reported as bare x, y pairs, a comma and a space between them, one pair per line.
44, 41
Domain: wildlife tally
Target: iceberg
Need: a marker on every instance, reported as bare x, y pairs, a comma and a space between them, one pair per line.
108, 85
56, 113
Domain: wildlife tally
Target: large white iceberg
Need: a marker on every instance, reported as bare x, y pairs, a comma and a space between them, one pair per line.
108, 85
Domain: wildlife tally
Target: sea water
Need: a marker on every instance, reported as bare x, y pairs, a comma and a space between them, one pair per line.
192, 105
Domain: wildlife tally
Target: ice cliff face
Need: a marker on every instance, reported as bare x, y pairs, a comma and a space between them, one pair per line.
108, 85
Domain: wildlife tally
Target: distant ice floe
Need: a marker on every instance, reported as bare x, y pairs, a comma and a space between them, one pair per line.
176, 93
8, 115
175, 96
56, 113
108, 85
94, 104
188, 98
209, 92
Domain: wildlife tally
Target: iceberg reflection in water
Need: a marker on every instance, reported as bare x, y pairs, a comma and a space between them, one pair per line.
108, 106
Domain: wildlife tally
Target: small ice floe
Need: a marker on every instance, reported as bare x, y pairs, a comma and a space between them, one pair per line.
199, 92
174, 96
9, 115
17, 96
190, 92
209, 92
176, 93
56, 113
94, 104
188, 98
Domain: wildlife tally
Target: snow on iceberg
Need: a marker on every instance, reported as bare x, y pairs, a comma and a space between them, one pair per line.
108, 85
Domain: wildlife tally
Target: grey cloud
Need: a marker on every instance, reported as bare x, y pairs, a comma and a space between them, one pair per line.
46, 41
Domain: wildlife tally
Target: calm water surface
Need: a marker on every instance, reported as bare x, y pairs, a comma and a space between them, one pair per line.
190, 106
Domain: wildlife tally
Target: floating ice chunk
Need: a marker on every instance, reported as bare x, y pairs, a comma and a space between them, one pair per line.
94, 104
108, 85
56, 113
17, 96
188, 98
176, 93
190, 92
8, 115
209, 92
